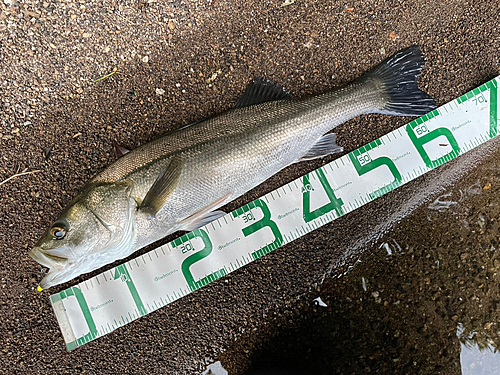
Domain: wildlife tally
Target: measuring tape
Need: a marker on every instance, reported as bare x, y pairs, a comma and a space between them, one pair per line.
118, 296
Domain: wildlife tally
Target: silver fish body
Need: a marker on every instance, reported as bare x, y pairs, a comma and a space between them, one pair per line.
226, 166
178, 181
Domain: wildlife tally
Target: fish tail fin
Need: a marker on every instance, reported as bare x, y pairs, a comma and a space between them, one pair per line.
397, 78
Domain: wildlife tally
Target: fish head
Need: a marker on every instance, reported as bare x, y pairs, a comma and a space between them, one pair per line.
96, 228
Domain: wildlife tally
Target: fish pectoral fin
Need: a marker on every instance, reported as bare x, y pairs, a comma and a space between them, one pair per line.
326, 145
204, 216
162, 188
260, 91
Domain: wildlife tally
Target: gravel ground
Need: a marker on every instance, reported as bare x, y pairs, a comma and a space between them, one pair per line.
173, 63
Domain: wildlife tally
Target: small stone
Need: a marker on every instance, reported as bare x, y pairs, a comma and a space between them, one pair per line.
496, 263
171, 25
392, 35
487, 186
106, 49
160, 91
349, 9
86, 35
145, 59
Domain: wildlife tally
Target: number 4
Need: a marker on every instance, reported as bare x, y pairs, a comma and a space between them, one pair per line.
334, 204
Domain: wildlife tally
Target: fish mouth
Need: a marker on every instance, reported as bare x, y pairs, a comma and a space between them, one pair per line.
47, 260
56, 265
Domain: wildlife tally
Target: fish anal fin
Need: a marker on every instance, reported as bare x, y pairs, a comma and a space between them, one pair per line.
204, 216
326, 145
260, 91
162, 188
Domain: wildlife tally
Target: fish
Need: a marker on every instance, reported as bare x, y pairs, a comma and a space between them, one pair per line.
178, 181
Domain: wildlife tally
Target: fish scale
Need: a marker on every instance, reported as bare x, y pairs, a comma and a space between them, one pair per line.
133, 289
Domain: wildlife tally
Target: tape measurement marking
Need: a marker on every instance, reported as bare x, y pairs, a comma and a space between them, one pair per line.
133, 289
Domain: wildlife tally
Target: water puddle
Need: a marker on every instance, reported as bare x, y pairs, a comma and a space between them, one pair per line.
478, 355
215, 368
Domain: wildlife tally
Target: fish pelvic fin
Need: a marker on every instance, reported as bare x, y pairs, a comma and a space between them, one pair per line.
397, 77
204, 216
162, 188
203, 220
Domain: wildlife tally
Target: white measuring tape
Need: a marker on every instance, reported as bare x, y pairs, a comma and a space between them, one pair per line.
114, 298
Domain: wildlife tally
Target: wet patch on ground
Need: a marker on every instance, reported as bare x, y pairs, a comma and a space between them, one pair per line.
424, 294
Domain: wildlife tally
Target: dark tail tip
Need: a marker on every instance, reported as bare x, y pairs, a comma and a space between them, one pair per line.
398, 75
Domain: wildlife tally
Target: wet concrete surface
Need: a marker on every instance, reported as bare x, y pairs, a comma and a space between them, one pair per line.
179, 61
424, 299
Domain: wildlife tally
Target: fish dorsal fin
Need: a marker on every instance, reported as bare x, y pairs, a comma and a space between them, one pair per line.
326, 145
162, 188
260, 91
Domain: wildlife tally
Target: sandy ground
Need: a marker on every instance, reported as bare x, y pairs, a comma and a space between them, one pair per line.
176, 62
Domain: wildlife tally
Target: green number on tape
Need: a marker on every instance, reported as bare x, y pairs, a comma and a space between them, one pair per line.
334, 204
370, 165
77, 293
262, 223
419, 128
121, 273
196, 257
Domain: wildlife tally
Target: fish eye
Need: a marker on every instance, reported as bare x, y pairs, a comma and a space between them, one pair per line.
58, 232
